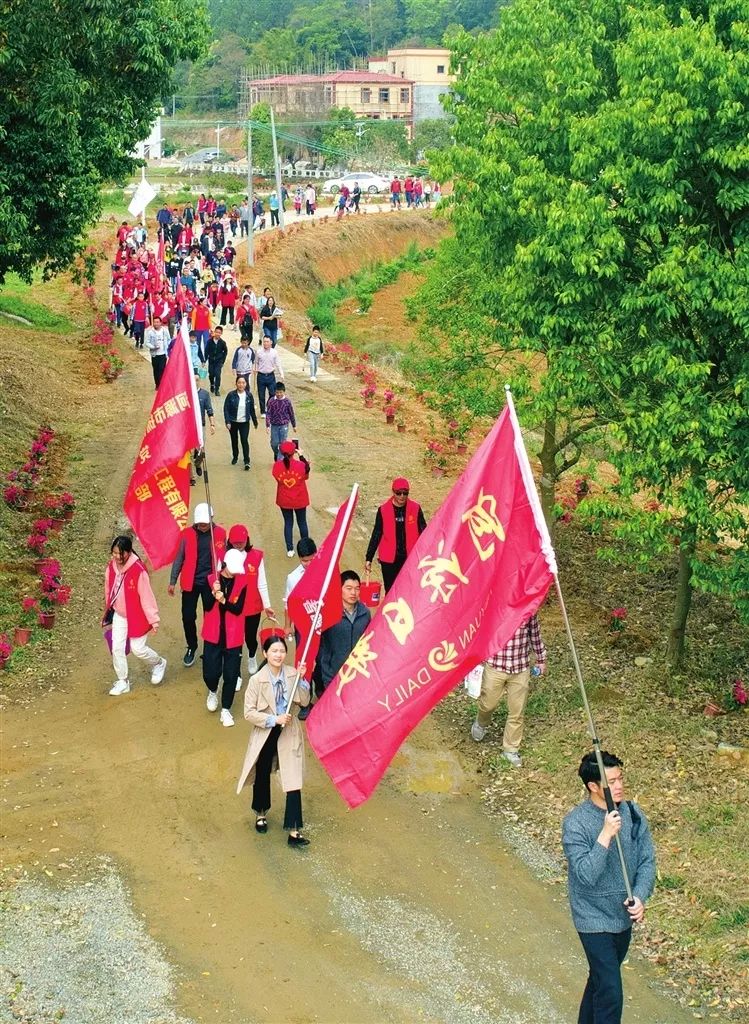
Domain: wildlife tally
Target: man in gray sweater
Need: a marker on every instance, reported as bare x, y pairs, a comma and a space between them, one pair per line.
598, 896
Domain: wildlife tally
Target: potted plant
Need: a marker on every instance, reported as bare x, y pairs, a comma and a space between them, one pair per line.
368, 392
6, 650
29, 618
54, 593
435, 455
617, 620
401, 424
15, 497
37, 542
67, 505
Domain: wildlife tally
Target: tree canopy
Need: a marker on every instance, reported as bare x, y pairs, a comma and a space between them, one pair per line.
601, 210
81, 85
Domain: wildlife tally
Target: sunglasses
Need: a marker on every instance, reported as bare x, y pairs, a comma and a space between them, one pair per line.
401, 494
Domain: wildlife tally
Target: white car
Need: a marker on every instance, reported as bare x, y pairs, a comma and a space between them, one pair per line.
368, 182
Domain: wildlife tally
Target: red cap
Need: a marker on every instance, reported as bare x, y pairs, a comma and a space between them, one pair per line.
238, 534
401, 484
287, 447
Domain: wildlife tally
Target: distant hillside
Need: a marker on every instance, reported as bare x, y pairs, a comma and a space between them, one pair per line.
301, 33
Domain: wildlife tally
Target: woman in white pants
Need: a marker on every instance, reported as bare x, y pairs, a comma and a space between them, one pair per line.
131, 612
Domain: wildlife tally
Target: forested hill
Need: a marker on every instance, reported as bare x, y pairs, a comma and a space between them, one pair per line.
307, 33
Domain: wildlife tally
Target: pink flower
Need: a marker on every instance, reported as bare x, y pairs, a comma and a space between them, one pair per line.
6, 648
739, 693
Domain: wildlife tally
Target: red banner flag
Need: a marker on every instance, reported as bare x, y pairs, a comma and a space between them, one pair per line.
321, 583
481, 568
161, 251
157, 501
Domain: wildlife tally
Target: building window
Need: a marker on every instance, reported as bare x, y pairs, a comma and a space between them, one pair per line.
404, 95
384, 95
440, 69
366, 96
392, 67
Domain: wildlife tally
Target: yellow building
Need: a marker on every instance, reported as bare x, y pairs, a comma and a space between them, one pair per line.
428, 69
369, 94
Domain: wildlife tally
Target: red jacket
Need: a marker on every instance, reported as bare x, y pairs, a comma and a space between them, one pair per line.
234, 624
228, 296
140, 310
187, 572
201, 318
291, 483
386, 549
253, 602
137, 623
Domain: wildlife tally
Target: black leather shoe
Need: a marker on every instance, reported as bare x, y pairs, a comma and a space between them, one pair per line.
261, 825
298, 841
233, 462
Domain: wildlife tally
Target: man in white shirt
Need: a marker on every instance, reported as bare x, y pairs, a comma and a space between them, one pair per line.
239, 409
157, 342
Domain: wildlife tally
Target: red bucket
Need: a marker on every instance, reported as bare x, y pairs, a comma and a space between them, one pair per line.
271, 631
369, 592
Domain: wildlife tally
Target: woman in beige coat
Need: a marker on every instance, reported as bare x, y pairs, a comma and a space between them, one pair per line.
276, 740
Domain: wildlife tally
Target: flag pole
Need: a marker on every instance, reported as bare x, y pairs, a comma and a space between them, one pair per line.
185, 335
210, 507
326, 583
548, 549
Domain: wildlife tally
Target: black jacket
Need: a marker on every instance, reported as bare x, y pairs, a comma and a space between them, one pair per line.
338, 642
216, 351
231, 403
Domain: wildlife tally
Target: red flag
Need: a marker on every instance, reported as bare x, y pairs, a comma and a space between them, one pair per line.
321, 583
481, 568
179, 295
161, 252
157, 501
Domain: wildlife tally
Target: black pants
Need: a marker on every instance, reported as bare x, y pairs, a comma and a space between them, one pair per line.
190, 612
288, 525
261, 789
224, 311
217, 662
250, 633
240, 432
274, 218
244, 228
245, 329
137, 330
390, 571
214, 376
266, 383
603, 998
158, 365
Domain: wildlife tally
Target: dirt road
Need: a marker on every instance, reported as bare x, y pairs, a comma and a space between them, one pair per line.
408, 909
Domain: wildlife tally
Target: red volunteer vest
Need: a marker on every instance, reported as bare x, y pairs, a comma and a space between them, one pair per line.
291, 490
234, 623
187, 574
386, 549
137, 623
253, 602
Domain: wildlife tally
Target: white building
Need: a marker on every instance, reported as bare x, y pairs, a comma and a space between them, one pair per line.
150, 148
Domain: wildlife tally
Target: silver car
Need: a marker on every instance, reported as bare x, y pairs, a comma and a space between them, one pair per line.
368, 182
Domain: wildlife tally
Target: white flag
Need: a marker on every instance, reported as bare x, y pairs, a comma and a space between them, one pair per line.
142, 196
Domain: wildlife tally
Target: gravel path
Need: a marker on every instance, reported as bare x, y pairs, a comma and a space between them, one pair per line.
79, 954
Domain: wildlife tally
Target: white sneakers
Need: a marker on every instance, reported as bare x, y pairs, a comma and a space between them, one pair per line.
212, 701
227, 719
513, 757
313, 380
158, 672
252, 666
120, 687
289, 554
477, 732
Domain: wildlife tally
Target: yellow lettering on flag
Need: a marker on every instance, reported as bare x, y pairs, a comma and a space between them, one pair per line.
356, 663
444, 657
437, 569
400, 618
482, 521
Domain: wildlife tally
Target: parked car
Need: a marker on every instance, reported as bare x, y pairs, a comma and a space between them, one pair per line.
368, 182
207, 156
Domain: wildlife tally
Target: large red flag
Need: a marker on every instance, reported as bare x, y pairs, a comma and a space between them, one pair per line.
321, 582
157, 501
481, 568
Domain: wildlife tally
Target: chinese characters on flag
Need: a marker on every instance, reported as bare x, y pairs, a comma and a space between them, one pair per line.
480, 569
157, 501
312, 587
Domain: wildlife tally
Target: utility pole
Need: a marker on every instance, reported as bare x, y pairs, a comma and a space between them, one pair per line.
277, 166
174, 104
251, 221
218, 140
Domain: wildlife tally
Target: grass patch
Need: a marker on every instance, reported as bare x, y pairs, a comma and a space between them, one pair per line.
39, 317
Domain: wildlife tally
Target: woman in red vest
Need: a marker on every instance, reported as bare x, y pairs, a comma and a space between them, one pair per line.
130, 608
292, 496
398, 524
257, 601
223, 633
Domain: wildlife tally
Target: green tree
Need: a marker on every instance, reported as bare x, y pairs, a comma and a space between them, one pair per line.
600, 174
262, 140
214, 80
431, 133
78, 94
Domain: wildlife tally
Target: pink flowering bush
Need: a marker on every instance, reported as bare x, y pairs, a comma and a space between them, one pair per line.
617, 620
6, 648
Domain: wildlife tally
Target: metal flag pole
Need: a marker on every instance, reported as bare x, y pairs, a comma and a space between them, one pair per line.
210, 507
326, 583
530, 486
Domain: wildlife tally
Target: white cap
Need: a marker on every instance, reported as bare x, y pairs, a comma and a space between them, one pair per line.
202, 513
234, 561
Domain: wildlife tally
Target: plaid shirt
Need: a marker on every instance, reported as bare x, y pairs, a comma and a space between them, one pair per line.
515, 656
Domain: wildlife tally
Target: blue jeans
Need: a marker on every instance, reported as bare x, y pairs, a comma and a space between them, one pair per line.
314, 359
277, 435
272, 333
266, 382
603, 998
288, 525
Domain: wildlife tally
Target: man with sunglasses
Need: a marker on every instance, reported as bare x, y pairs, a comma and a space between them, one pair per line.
398, 525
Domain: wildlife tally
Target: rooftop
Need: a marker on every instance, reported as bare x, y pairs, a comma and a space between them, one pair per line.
336, 77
